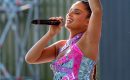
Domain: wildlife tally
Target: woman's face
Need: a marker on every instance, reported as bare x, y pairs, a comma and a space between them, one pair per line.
76, 17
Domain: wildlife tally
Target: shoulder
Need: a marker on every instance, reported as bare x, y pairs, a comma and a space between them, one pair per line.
60, 43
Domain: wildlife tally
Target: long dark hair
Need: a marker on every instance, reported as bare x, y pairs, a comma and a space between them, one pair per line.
87, 7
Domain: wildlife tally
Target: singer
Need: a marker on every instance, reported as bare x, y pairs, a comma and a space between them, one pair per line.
74, 58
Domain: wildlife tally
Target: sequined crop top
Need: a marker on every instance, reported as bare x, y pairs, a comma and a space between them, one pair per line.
73, 65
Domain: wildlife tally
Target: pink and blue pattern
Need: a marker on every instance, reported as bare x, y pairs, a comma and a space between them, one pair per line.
73, 65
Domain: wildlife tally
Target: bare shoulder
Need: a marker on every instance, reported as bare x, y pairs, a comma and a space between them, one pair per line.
60, 43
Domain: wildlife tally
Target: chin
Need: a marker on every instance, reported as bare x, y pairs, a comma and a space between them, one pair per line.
68, 26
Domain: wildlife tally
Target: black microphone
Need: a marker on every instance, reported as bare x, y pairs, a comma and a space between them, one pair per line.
46, 22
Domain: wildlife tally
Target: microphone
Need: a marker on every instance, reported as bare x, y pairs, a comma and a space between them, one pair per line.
46, 22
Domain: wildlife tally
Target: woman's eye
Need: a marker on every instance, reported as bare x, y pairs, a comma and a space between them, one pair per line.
77, 12
73, 11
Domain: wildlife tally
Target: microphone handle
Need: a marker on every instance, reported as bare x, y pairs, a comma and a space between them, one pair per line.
46, 22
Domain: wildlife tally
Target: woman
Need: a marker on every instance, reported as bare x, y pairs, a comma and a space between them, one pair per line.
73, 59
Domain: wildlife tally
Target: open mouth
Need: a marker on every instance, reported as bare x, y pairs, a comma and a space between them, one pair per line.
69, 21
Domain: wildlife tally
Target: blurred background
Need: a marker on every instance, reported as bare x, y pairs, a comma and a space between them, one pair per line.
17, 35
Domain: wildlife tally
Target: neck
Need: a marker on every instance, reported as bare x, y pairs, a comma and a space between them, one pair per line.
72, 34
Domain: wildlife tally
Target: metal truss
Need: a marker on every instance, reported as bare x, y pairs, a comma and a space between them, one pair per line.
10, 9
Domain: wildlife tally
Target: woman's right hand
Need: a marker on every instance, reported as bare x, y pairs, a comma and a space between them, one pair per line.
55, 29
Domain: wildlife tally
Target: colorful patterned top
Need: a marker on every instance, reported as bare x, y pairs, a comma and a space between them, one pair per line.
73, 65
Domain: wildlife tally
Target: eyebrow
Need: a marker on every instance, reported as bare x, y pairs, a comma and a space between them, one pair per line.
76, 10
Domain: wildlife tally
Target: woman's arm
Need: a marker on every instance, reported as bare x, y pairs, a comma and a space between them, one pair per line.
34, 54
39, 53
91, 37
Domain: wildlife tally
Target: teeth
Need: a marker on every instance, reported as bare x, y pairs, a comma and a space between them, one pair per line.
69, 20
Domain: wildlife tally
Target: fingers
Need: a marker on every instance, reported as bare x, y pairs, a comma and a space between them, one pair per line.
61, 19
57, 18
